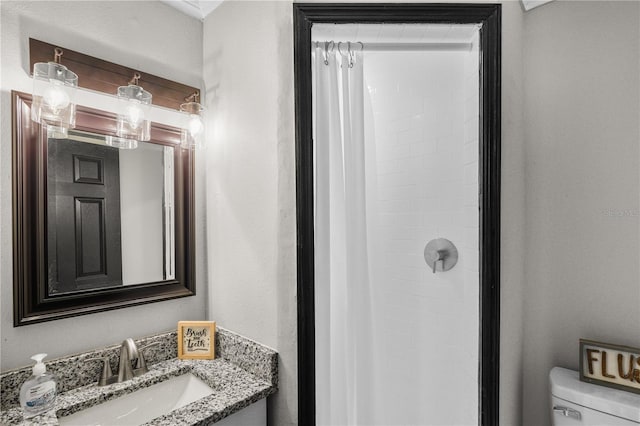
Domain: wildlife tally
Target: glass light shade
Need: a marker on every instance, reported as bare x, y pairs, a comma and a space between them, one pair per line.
133, 116
121, 143
192, 134
54, 89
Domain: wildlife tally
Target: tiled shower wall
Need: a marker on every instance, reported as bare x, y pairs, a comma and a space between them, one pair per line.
425, 113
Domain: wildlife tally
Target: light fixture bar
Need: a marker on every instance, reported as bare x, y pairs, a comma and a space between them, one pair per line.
103, 76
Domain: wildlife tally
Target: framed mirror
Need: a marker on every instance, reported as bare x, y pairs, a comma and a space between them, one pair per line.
96, 227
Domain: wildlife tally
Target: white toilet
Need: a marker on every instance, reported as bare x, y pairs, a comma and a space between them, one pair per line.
578, 403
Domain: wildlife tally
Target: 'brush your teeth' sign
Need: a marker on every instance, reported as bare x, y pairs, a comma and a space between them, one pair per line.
609, 365
196, 339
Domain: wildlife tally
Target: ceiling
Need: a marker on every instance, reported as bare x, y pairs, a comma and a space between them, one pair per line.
201, 8
530, 4
196, 8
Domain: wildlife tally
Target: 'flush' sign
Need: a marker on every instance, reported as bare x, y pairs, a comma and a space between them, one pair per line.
610, 365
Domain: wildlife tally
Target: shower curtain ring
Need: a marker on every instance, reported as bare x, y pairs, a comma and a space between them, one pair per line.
327, 51
352, 55
348, 55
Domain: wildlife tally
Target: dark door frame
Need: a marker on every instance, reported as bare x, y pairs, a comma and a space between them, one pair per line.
489, 16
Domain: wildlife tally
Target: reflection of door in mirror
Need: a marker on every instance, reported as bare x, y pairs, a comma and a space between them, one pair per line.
83, 187
110, 214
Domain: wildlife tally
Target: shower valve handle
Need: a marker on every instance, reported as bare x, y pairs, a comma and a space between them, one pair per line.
439, 256
440, 252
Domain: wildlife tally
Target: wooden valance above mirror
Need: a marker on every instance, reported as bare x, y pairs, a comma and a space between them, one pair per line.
103, 76
96, 228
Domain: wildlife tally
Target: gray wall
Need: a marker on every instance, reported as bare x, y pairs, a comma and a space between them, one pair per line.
248, 72
512, 256
145, 35
582, 114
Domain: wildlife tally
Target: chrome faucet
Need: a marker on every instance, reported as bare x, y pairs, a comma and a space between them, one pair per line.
129, 352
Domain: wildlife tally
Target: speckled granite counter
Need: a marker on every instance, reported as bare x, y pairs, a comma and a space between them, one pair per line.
243, 372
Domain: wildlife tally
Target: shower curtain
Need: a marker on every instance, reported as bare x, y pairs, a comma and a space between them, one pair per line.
345, 372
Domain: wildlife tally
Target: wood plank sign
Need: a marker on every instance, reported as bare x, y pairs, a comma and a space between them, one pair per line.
196, 339
609, 365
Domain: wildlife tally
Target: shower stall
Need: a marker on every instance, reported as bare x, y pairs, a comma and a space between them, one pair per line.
397, 219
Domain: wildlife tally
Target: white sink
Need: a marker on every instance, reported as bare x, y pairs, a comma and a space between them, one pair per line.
142, 405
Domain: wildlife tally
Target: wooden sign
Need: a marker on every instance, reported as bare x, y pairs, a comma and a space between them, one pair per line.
609, 365
196, 339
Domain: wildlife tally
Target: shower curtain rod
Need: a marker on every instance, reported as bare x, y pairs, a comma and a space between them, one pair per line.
397, 47
403, 47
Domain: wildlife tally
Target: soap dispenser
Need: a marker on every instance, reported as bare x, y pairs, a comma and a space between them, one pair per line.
38, 393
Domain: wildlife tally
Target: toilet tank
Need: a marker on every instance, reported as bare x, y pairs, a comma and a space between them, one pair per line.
582, 404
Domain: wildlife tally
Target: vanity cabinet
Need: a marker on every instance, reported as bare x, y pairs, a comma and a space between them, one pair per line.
253, 415
239, 380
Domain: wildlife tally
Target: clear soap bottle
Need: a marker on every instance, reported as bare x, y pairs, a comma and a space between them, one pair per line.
38, 393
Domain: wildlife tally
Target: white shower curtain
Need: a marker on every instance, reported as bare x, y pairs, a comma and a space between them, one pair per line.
344, 349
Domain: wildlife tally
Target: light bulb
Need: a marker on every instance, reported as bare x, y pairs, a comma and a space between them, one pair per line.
195, 125
56, 98
135, 115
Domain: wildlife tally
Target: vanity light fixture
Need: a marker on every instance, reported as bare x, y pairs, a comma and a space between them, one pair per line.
54, 88
133, 116
53, 98
193, 126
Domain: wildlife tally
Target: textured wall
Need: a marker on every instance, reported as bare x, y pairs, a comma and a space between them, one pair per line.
248, 72
582, 109
512, 256
146, 35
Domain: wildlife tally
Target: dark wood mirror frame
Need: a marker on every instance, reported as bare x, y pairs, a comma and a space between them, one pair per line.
29, 156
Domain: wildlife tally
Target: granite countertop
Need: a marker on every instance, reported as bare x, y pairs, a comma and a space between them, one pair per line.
237, 378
